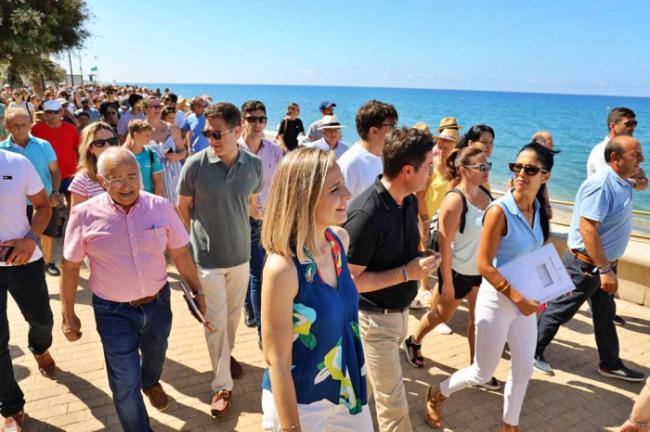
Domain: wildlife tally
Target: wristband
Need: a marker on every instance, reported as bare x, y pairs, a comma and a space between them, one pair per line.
32, 236
505, 287
638, 423
406, 276
501, 285
607, 268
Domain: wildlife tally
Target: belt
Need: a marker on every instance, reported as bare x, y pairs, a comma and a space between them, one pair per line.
142, 301
586, 258
376, 309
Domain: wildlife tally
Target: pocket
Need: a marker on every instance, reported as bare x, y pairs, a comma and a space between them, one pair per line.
153, 240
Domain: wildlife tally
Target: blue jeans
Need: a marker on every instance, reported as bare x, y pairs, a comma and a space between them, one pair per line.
253, 302
134, 339
26, 284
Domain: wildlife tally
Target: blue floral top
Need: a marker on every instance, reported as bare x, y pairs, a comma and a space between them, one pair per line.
327, 356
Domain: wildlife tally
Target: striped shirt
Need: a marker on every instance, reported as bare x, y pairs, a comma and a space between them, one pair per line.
83, 185
171, 169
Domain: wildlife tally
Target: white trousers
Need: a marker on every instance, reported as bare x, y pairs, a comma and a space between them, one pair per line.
225, 290
498, 320
321, 416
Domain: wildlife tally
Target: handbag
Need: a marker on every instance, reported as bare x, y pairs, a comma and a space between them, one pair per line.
279, 138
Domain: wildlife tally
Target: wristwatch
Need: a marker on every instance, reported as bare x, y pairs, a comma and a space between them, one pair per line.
30, 235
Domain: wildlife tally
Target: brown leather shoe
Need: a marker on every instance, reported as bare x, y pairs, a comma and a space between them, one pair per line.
220, 403
46, 365
157, 397
15, 423
235, 368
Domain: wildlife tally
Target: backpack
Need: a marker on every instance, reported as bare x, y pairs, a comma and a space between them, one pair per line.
434, 234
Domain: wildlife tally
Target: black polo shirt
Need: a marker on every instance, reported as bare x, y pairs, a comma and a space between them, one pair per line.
383, 236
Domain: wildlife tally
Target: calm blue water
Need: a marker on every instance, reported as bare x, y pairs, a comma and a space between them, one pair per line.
576, 122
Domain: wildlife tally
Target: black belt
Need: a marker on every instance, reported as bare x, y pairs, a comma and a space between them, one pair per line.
377, 309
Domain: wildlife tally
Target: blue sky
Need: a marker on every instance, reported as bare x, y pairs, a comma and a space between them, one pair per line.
570, 46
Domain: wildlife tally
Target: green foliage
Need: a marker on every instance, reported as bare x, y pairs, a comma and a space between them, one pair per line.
32, 30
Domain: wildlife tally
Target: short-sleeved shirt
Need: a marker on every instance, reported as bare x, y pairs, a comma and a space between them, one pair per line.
270, 153
435, 192
220, 228
290, 129
126, 250
64, 141
314, 133
360, 168
39, 152
341, 147
83, 185
383, 236
125, 118
18, 180
596, 160
606, 198
149, 165
196, 125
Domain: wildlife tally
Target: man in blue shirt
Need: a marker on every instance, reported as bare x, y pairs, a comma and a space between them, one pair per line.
194, 124
600, 231
41, 154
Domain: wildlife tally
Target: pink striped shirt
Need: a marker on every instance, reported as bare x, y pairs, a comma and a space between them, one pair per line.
83, 185
126, 250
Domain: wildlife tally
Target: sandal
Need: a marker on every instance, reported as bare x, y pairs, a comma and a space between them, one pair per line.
413, 353
433, 408
493, 385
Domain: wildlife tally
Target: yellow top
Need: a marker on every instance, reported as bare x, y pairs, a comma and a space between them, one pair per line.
435, 192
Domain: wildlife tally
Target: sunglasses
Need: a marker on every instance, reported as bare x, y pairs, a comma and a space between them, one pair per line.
99, 143
487, 166
52, 111
529, 170
158, 106
213, 134
630, 123
253, 119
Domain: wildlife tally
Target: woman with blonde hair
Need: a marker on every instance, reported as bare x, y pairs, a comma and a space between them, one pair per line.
95, 138
315, 379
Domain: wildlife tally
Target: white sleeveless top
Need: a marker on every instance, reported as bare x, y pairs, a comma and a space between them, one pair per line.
464, 247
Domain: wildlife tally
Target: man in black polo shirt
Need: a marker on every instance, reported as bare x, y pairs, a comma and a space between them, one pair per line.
386, 264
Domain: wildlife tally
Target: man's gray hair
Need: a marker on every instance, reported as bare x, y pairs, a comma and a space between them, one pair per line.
13, 112
111, 154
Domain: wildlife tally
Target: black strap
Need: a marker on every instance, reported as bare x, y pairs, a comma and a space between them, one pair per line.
461, 228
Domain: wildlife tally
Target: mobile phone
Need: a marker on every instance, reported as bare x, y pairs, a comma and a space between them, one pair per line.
5, 252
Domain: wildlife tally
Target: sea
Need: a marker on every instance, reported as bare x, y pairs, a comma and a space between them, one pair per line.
577, 122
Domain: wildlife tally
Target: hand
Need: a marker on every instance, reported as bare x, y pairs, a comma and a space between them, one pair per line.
71, 327
448, 292
55, 199
629, 427
419, 268
527, 306
609, 282
23, 250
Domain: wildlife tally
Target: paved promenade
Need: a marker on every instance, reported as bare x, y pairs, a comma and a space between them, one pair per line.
78, 399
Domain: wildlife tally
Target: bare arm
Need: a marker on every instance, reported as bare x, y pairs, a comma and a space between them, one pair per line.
184, 207
55, 173
254, 207
24, 247
416, 269
589, 233
640, 411
279, 287
450, 213
187, 269
76, 199
640, 181
71, 325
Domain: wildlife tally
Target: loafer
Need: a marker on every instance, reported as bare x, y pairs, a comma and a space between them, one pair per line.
542, 366
157, 397
235, 368
15, 422
618, 320
622, 373
220, 403
249, 319
51, 269
46, 364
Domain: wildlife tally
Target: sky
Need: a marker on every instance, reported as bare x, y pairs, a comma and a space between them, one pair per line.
570, 46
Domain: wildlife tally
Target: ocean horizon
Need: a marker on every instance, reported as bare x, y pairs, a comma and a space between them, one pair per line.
577, 122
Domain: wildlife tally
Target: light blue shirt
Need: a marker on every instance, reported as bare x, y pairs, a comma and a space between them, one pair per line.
39, 152
520, 237
341, 147
196, 125
606, 198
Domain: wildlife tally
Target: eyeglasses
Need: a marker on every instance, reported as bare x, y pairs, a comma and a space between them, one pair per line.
529, 170
253, 119
213, 134
388, 125
99, 143
119, 182
51, 112
630, 123
487, 166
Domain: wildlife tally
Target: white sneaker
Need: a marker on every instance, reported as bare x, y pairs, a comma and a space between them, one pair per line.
444, 329
422, 300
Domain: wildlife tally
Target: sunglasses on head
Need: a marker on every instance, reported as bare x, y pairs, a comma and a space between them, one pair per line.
99, 143
529, 170
487, 166
254, 119
212, 134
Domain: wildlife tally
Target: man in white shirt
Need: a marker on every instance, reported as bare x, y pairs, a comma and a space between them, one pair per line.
22, 276
331, 129
362, 163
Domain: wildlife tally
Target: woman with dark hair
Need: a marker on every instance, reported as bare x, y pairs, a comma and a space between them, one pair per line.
514, 225
289, 129
479, 134
109, 112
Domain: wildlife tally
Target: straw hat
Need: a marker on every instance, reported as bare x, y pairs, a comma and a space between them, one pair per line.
330, 122
449, 123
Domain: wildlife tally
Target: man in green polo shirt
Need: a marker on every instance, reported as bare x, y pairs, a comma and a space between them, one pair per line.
215, 188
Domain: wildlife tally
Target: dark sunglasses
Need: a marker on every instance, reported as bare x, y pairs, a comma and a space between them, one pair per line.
529, 170
630, 123
52, 111
212, 134
253, 119
487, 166
154, 106
99, 143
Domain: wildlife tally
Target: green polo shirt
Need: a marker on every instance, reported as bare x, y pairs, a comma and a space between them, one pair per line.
220, 230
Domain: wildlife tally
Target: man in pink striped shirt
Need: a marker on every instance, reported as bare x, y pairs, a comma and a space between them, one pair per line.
125, 233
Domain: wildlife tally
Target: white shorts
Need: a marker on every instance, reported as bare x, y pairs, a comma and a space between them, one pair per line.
321, 416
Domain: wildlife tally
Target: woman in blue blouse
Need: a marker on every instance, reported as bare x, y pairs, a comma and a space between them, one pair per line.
315, 379
513, 226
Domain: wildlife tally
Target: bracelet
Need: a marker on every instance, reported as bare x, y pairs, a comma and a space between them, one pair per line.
32, 236
501, 285
638, 423
406, 276
507, 285
605, 268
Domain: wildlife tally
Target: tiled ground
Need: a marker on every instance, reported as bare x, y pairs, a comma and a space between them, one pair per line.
78, 399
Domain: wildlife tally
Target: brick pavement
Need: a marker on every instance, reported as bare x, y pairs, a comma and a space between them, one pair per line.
78, 399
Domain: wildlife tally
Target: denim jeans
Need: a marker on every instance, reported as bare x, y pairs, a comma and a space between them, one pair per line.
26, 284
134, 339
562, 309
253, 301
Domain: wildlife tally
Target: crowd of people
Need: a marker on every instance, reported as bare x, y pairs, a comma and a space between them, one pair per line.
323, 245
